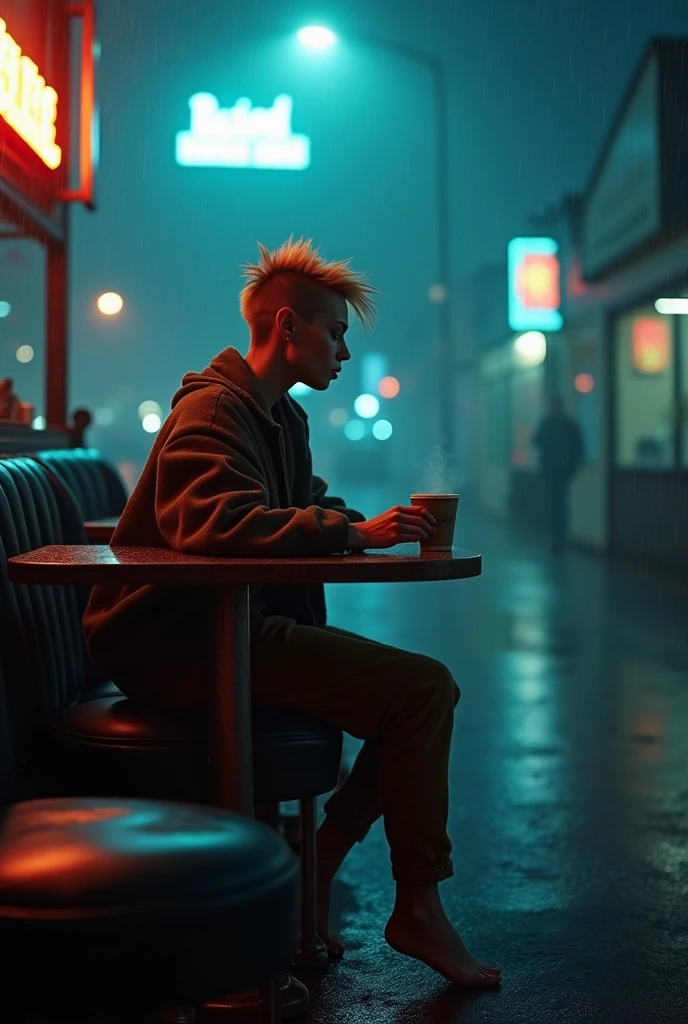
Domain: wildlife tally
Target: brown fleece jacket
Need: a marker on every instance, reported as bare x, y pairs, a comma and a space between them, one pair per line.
223, 478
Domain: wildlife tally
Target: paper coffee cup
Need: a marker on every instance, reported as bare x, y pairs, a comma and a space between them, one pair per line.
444, 508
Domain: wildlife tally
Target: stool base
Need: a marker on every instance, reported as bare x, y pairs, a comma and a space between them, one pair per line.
289, 1000
295, 998
312, 955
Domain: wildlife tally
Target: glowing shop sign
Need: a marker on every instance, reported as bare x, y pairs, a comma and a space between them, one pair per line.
534, 292
242, 136
650, 345
26, 102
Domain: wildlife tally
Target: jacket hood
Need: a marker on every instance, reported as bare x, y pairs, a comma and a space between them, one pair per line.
231, 371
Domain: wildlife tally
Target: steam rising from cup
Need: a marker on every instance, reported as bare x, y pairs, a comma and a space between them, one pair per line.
439, 474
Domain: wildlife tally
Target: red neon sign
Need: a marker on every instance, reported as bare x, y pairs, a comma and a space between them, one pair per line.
537, 281
26, 102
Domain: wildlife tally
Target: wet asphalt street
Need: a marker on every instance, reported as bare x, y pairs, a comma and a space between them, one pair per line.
569, 793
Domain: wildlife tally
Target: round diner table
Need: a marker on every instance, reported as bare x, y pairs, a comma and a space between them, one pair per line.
230, 691
100, 531
230, 745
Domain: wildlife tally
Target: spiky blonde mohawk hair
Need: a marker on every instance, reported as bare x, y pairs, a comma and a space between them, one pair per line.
302, 259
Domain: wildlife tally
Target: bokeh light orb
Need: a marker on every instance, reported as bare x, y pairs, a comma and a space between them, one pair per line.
5, 309
382, 429
338, 417
389, 387
584, 383
25, 353
299, 389
146, 408
104, 417
354, 430
366, 406
151, 423
437, 293
530, 348
110, 303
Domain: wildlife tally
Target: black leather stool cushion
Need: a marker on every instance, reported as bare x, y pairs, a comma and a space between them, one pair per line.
116, 903
103, 689
113, 745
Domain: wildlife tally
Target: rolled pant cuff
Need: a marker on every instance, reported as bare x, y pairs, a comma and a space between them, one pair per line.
425, 876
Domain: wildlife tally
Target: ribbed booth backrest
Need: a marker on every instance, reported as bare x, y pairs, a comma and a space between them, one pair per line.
42, 652
94, 481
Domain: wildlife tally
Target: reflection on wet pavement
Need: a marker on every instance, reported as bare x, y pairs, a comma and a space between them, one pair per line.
569, 793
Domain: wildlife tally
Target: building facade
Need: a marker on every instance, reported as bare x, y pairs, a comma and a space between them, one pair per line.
620, 361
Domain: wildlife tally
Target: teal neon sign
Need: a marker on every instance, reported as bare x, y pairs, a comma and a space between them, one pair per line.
242, 136
534, 285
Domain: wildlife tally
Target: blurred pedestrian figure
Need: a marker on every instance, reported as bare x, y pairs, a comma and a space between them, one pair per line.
81, 421
560, 443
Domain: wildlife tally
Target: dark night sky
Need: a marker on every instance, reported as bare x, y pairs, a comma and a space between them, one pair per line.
533, 86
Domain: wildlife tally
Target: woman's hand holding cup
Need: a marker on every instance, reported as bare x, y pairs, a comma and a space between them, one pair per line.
402, 524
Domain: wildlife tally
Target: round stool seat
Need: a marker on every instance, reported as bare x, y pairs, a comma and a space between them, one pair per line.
107, 904
114, 745
104, 689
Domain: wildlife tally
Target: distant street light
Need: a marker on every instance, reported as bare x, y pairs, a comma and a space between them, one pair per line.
530, 348
382, 429
318, 37
354, 430
149, 408
366, 406
338, 417
110, 303
151, 423
388, 387
25, 353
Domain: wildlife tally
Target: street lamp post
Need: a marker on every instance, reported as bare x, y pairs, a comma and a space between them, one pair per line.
322, 38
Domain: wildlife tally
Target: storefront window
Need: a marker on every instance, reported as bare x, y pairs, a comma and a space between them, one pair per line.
683, 402
586, 389
645, 397
496, 393
528, 388
22, 318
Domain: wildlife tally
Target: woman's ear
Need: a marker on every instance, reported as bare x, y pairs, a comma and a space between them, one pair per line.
285, 323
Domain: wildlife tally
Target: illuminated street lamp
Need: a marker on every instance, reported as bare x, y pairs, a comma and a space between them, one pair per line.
318, 37
110, 303
530, 348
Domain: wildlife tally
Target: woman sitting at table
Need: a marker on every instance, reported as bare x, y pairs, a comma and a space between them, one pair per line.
230, 474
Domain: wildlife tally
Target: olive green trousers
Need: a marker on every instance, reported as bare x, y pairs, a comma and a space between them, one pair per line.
401, 704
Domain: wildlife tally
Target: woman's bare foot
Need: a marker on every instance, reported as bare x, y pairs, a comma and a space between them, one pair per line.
420, 928
332, 846
334, 944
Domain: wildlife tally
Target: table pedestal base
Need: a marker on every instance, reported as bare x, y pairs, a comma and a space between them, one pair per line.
269, 1004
